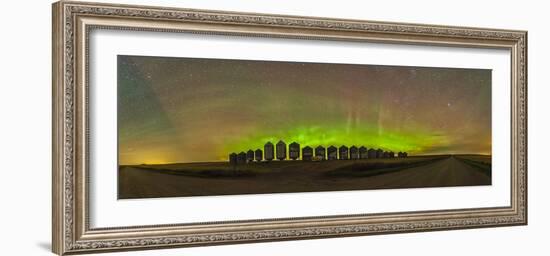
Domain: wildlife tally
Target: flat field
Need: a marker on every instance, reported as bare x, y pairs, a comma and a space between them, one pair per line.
222, 178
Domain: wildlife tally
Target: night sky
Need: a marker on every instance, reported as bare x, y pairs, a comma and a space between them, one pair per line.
196, 110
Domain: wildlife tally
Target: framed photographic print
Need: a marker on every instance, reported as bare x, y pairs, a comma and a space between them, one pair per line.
178, 127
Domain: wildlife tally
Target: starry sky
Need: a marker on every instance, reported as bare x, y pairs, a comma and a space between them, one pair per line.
174, 110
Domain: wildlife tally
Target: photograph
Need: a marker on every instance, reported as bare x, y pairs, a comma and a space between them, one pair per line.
211, 127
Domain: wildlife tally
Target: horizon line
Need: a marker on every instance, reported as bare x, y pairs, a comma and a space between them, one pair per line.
290, 160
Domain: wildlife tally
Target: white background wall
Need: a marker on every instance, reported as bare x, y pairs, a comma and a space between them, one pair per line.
25, 114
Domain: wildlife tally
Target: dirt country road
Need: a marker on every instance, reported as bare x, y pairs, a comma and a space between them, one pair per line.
447, 172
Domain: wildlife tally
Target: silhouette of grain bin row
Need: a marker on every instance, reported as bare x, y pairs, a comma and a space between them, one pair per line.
279, 151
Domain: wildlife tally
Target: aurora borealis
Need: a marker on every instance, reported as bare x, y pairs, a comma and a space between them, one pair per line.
198, 110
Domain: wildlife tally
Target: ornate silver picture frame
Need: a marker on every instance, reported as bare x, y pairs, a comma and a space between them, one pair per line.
74, 21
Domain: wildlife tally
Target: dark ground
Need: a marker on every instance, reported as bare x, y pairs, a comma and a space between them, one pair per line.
220, 178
